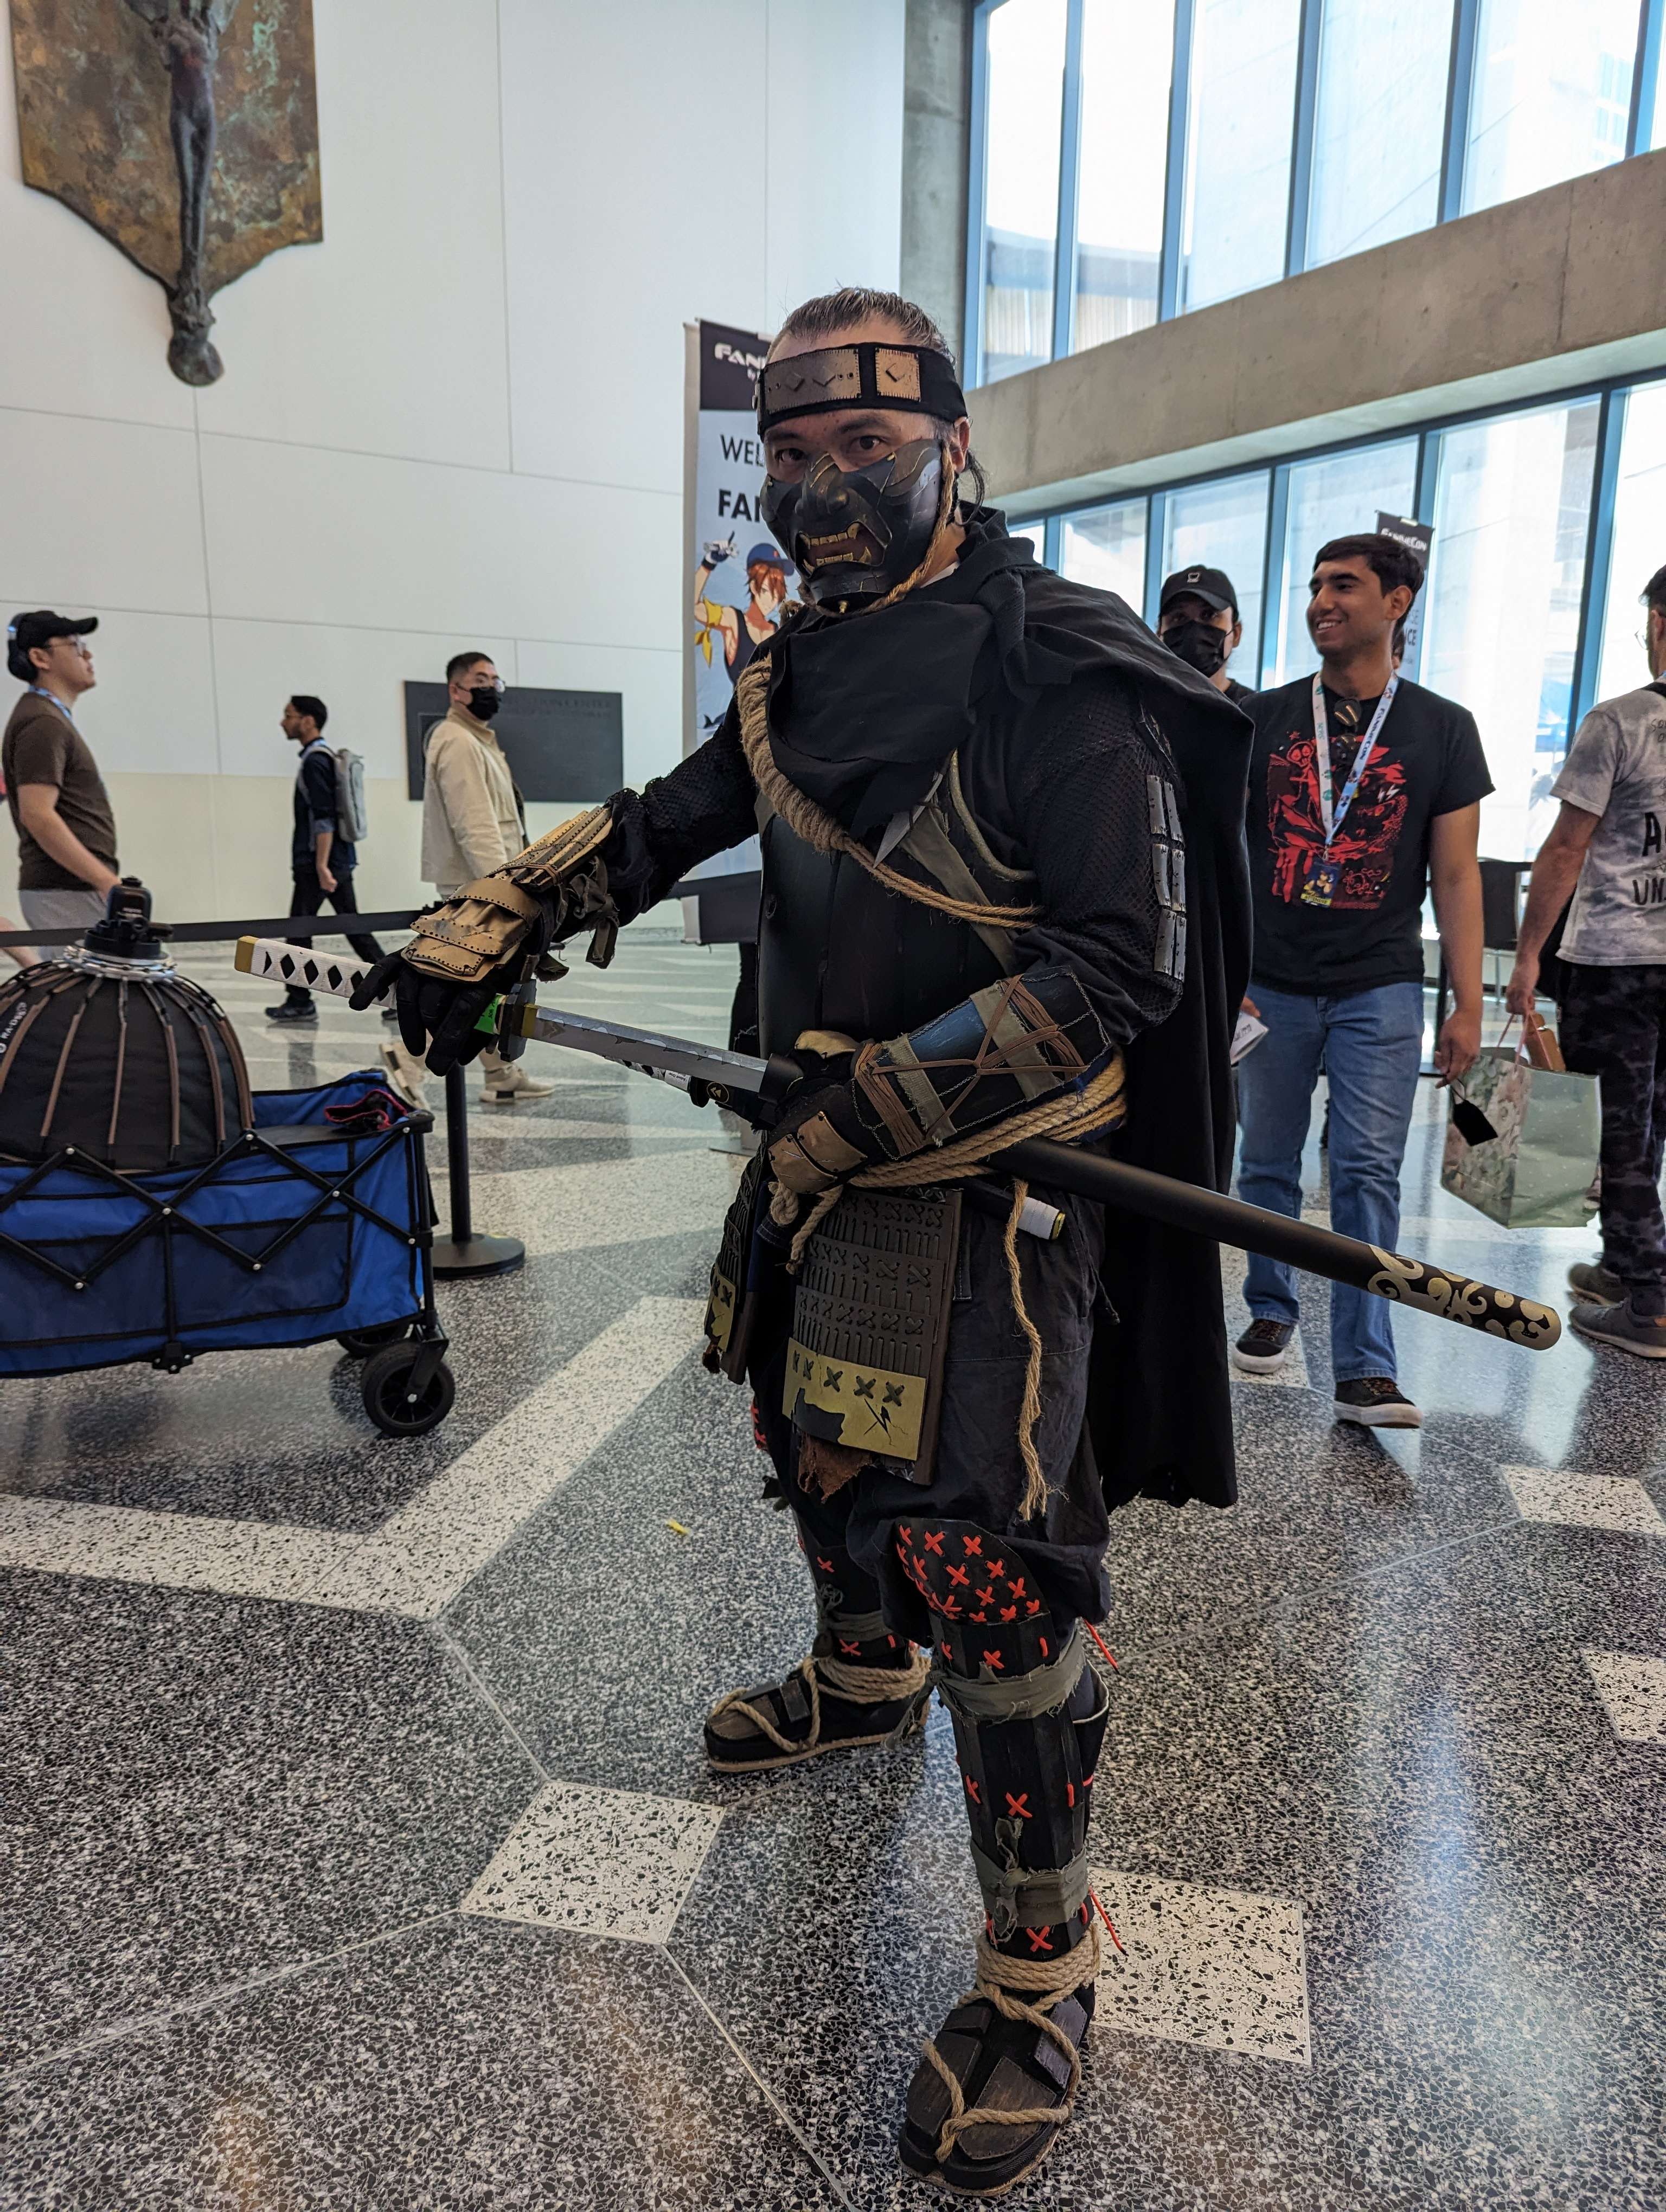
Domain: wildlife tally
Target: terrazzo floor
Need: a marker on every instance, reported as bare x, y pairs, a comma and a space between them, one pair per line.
361, 1857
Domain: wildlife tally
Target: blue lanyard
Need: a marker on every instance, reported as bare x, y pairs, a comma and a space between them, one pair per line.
1335, 815
41, 692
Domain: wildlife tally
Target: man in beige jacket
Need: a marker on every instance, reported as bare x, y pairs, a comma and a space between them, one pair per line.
471, 819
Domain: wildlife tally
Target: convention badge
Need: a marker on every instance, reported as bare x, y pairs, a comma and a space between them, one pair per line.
1322, 875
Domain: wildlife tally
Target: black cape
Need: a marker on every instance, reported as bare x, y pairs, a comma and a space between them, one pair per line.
865, 732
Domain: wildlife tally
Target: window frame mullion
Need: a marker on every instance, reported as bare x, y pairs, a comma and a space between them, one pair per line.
1460, 99
1173, 179
1645, 75
1070, 140
1299, 212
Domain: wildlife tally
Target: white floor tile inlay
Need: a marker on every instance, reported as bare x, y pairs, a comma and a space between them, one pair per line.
598, 1863
1632, 1689
1224, 1969
1584, 1501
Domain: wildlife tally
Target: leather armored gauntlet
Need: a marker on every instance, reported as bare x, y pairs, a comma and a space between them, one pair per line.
545, 895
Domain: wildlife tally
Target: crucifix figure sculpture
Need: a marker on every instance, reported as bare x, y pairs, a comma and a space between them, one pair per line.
188, 33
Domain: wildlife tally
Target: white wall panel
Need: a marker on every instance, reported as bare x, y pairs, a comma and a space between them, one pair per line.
152, 705
407, 545
636, 185
96, 512
390, 336
833, 114
360, 675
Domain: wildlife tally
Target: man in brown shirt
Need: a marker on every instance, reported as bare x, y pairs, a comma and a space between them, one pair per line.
66, 831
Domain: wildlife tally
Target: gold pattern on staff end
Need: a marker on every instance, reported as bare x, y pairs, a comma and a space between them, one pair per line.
1471, 1304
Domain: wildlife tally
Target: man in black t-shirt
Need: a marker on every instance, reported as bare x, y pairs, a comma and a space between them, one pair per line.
1365, 793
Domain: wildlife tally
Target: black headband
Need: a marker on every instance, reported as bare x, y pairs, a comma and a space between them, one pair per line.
916, 378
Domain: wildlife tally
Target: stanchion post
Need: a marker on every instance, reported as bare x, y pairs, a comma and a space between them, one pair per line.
462, 1253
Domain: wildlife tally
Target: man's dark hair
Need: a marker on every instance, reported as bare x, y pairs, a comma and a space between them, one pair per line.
1654, 593
829, 312
459, 661
1392, 563
305, 703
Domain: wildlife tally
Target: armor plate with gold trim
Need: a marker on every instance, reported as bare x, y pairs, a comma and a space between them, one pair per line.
871, 1322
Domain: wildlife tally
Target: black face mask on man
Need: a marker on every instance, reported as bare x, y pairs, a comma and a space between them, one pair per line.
1200, 645
485, 700
857, 533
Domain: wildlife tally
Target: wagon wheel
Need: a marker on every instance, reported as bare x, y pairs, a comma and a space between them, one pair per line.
388, 1395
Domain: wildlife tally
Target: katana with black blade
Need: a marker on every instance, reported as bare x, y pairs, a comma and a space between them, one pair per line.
757, 1090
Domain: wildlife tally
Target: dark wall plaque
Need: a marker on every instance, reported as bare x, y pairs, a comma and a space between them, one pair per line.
560, 744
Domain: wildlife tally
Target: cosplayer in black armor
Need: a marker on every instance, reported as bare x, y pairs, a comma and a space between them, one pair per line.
1003, 894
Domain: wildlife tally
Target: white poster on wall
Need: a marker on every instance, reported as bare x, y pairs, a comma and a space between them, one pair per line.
738, 582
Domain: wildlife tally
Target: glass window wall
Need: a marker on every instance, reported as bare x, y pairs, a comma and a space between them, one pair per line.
1128, 57
1506, 586
1639, 543
1552, 94
1333, 496
1238, 147
1379, 124
1105, 546
1024, 113
1223, 526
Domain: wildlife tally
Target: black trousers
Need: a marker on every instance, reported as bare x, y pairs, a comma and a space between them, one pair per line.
308, 897
1614, 1027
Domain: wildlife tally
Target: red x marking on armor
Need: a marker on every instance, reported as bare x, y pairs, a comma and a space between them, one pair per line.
935, 1539
850, 1650
994, 1662
1039, 1939
1018, 1808
826, 1565
971, 1547
997, 1566
948, 1607
1034, 1606
987, 1597
971, 1790
904, 1537
1009, 1613
1017, 1585
981, 1620
958, 1576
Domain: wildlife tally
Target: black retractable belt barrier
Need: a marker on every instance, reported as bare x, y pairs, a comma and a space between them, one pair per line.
463, 1253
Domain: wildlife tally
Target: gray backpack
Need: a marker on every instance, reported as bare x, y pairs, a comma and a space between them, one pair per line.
352, 817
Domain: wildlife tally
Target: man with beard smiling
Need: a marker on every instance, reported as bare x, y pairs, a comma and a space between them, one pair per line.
1365, 793
1002, 866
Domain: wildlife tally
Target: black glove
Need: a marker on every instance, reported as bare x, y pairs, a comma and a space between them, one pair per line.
820, 1139
439, 1017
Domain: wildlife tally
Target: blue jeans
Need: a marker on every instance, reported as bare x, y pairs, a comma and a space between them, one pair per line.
1372, 1045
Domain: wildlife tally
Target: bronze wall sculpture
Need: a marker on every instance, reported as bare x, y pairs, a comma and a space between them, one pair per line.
185, 131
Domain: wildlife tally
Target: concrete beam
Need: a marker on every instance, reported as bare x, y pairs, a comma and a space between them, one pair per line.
936, 150
1522, 300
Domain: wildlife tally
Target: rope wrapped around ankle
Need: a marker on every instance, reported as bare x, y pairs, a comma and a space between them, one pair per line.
998, 1976
857, 1685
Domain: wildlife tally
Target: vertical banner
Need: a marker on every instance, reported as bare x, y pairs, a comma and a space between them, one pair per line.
737, 582
1417, 537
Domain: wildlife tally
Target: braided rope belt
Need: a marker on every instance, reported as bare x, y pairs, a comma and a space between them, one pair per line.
997, 1978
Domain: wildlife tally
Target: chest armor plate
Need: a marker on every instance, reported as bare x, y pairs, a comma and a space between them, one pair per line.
837, 951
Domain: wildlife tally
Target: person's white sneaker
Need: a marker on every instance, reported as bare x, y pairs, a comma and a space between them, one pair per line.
506, 1084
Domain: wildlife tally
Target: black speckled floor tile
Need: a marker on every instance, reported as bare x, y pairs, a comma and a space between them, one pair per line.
205, 1787
462, 2065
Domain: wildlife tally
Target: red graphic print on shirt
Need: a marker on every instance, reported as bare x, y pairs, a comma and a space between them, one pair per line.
1363, 848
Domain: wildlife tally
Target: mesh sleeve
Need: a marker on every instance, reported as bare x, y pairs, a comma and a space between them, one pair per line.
703, 806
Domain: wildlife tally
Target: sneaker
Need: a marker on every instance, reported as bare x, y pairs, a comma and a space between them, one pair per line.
404, 1075
1376, 1401
293, 1009
1618, 1326
1263, 1347
512, 1082
1599, 1285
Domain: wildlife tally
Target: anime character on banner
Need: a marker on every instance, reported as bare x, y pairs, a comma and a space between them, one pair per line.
734, 627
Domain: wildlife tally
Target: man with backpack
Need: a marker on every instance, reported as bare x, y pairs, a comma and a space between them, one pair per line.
322, 855
1605, 851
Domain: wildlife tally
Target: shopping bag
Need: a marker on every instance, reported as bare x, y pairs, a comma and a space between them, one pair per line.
1535, 1173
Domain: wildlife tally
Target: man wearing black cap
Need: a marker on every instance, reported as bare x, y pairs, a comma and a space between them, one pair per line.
66, 829
1004, 885
1197, 618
